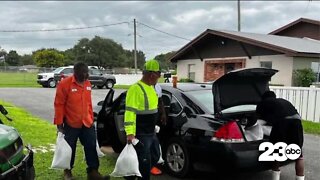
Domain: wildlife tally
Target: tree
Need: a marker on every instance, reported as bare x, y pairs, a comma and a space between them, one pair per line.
26, 59
141, 59
13, 58
303, 77
163, 59
69, 57
48, 58
101, 52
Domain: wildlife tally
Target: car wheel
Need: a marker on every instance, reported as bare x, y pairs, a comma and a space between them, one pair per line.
109, 84
177, 159
52, 83
99, 87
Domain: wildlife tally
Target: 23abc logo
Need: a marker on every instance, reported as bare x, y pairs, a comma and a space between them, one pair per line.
291, 151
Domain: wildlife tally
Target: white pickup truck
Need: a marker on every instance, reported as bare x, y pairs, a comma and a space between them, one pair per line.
47, 79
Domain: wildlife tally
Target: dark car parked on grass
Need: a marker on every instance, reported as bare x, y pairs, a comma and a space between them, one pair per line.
96, 77
15, 164
207, 123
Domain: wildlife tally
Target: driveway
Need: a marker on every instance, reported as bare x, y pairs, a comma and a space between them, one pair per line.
39, 101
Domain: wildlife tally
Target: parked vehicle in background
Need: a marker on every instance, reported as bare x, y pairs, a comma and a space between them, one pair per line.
14, 162
47, 79
207, 124
96, 77
63, 72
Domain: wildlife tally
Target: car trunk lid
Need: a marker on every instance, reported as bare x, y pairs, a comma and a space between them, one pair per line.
241, 87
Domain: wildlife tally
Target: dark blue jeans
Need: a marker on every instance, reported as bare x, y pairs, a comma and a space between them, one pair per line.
148, 154
87, 138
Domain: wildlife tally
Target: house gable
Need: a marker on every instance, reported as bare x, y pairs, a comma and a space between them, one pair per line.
300, 28
214, 46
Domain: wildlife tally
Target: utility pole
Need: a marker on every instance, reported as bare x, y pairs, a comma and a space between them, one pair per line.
239, 19
135, 46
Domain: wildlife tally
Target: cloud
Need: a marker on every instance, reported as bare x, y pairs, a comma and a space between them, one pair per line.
182, 18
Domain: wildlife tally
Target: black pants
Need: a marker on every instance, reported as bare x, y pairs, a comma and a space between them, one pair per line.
87, 138
289, 131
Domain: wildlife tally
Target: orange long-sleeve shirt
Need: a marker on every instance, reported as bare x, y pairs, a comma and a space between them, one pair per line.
73, 103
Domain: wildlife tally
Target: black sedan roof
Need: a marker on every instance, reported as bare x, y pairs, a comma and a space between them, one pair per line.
185, 87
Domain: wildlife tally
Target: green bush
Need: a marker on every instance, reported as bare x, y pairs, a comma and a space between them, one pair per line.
303, 77
185, 80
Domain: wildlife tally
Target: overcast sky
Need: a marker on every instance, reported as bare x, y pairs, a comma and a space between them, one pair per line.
185, 19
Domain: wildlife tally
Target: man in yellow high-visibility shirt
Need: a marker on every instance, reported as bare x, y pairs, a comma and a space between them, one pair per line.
141, 116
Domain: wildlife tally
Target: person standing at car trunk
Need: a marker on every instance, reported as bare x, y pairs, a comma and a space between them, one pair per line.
286, 127
141, 115
74, 118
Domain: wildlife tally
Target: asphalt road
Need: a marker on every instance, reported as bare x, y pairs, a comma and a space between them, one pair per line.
39, 101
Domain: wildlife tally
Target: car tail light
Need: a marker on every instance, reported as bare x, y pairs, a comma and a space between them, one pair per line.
229, 132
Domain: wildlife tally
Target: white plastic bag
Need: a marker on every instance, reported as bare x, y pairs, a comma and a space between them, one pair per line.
127, 163
266, 128
160, 161
254, 132
62, 153
99, 152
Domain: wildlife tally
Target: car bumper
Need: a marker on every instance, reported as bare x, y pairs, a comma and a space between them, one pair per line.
21, 169
42, 82
235, 156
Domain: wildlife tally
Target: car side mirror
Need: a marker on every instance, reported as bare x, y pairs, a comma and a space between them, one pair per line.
100, 103
121, 112
188, 112
180, 120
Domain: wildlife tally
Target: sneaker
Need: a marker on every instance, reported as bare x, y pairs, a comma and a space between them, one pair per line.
155, 171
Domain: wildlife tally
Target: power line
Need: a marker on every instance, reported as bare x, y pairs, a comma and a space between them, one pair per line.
163, 31
63, 29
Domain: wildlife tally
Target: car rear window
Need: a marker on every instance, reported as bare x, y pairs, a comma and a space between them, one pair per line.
204, 97
58, 70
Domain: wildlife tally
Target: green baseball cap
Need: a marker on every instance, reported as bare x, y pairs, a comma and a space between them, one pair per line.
152, 65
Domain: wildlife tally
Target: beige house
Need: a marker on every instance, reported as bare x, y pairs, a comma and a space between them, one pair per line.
215, 52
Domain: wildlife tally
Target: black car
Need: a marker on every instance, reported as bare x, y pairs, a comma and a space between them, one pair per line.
207, 123
96, 77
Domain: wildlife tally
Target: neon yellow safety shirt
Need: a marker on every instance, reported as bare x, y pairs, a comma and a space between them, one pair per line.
141, 109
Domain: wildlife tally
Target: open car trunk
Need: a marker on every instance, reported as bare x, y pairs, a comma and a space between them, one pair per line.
236, 95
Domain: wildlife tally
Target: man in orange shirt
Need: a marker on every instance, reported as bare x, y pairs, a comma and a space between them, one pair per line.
74, 118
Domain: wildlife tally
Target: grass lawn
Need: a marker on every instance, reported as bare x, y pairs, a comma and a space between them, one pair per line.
18, 79
311, 127
42, 135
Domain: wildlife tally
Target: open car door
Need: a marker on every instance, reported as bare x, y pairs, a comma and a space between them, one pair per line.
104, 117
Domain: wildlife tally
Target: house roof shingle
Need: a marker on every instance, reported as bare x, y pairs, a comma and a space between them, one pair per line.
300, 45
301, 20
283, 44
